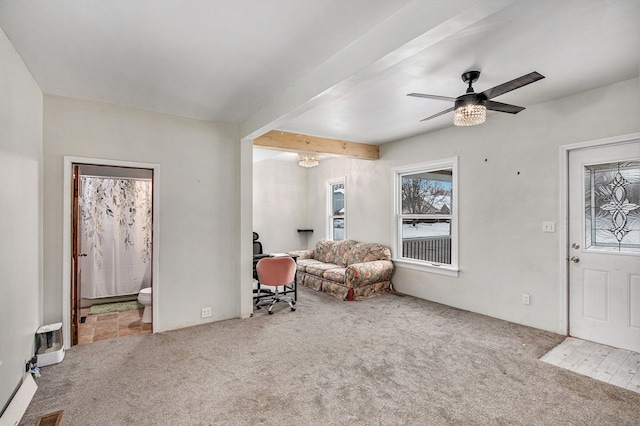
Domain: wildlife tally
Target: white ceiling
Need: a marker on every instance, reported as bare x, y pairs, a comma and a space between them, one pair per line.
331, 68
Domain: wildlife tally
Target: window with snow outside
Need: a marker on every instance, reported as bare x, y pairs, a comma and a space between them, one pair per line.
426, 215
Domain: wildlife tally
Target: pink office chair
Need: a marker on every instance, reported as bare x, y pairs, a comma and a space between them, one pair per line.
276, 272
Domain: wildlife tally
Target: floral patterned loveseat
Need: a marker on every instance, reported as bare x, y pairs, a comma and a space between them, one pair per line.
346, 269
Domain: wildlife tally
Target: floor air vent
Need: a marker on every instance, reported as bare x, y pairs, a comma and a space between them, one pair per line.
51, 419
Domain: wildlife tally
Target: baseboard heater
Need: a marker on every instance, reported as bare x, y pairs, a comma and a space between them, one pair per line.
19, 403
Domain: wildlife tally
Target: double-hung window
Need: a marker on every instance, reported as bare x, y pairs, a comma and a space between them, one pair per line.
426, 215
337, 210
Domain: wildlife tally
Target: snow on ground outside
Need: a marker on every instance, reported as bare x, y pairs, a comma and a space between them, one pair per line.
425, 230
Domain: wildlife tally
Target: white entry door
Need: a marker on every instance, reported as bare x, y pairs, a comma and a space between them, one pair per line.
604, 238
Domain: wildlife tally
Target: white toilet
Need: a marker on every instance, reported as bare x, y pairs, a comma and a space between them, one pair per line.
144, 297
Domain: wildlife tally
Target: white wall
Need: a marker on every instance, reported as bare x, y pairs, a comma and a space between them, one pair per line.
287, 197
367, 187
509, 184
280, 205
199, 193
20, 217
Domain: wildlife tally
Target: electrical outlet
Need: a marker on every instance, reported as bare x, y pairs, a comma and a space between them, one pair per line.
526, 299
548, 227
206, 312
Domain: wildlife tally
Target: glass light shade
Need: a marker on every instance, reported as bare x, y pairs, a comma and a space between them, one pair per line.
469, 115
306, 159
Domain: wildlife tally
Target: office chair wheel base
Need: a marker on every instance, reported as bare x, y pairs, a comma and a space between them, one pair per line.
293, 302
270, 313
293, 309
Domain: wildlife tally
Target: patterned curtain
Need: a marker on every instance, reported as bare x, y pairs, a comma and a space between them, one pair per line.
115, 235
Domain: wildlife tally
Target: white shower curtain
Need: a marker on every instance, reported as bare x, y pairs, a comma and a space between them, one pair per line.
115, 226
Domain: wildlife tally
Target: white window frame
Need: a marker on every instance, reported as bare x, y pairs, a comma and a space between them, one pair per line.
330, 214
421, 265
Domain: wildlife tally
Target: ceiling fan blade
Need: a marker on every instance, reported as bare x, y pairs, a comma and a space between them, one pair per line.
438, 114
499, 106
441, 98
503, 88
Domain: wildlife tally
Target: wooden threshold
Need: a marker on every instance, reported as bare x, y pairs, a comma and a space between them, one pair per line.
294, 142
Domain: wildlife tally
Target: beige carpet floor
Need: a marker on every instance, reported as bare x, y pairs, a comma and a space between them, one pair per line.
391, 360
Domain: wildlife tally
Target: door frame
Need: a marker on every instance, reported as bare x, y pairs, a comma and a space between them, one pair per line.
67, 218
563, 226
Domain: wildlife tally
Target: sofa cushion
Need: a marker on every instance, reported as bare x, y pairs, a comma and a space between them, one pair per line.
318, 269
301, 264
368, 252
336, 274
322, 250
336, 252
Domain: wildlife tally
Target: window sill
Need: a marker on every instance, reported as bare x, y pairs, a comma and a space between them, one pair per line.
424, 267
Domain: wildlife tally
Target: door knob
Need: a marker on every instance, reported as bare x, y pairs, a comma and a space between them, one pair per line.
82, 255
575, 259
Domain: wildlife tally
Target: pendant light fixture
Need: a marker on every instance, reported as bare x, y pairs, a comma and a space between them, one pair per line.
308, 159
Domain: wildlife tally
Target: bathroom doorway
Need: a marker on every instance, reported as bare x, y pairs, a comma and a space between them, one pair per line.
112, 251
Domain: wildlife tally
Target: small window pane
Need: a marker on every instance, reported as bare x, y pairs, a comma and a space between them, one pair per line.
427, 192
427, 239
337, 198
338, 229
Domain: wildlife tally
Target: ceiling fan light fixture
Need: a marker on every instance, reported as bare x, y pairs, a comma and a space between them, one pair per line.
307, 159
470, 115
470, 110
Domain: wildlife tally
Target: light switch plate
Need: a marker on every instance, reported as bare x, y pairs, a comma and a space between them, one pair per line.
548, 227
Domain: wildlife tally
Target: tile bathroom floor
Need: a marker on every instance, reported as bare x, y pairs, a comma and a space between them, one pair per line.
110, 325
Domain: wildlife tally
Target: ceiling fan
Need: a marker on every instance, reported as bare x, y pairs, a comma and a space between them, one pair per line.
471, 108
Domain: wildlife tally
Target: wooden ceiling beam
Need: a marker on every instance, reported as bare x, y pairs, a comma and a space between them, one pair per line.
294, 142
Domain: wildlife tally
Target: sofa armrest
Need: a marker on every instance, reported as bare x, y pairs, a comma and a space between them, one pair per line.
359, 274
303, 254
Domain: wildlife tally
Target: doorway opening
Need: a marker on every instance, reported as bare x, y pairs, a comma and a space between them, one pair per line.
111, 256
112, 228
